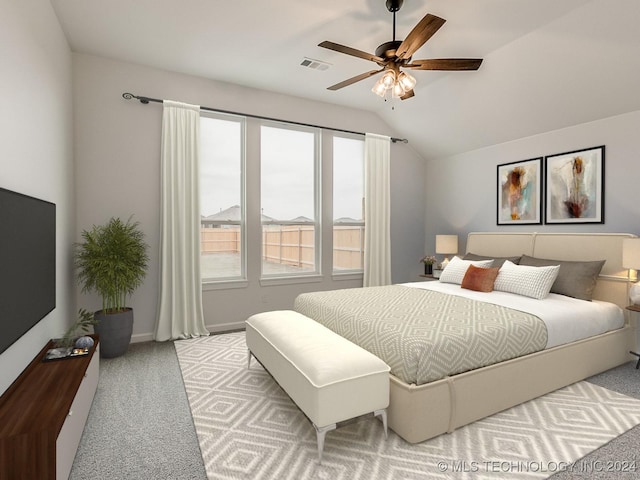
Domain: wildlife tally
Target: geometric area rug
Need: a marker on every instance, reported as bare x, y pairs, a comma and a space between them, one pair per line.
248, 428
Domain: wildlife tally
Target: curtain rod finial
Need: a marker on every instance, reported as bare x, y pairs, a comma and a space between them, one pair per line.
129, 96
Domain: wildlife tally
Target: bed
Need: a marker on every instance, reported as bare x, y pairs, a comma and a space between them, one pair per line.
425, 403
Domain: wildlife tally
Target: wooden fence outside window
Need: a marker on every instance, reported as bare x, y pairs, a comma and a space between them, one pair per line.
290, 244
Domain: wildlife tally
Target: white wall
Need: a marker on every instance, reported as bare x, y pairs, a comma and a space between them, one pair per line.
118, 156
462, 189
37, 156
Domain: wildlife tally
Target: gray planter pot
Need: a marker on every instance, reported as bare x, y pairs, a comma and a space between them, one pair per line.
115, 331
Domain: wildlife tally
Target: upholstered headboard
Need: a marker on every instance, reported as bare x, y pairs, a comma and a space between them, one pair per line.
613, 282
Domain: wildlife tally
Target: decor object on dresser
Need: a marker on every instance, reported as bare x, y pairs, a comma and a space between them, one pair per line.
574, 187
446, 245
112, 260
84, 342
520, 192
85, 321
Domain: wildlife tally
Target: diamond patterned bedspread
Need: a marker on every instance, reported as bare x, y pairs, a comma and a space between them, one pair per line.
425, 335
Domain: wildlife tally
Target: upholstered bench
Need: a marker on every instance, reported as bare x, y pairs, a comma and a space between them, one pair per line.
329, 378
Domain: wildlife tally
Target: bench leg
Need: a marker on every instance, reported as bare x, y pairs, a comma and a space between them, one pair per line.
320, 433
248, 358
382, 413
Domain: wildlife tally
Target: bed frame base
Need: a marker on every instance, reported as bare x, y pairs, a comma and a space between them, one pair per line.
455, 401
418, 413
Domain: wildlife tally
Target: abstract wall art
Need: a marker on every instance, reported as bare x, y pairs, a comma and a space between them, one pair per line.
574, 187
520, 192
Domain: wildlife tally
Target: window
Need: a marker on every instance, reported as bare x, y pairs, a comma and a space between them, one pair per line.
289, 206
348, 204
287, 201
222, 238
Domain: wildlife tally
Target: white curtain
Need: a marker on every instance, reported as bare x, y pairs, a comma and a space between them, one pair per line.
180, 305
377, 236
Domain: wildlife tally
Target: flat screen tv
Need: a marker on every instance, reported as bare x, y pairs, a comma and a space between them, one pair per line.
27, 264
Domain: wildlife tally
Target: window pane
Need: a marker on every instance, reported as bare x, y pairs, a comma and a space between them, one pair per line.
348, 204
221, 245
288, 165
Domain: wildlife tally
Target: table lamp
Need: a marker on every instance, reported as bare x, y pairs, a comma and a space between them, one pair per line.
446, 245
631, 260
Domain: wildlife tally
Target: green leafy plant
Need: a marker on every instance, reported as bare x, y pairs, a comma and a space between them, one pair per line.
112, 260
85, 320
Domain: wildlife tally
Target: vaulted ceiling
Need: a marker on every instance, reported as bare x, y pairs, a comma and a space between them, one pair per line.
547, 64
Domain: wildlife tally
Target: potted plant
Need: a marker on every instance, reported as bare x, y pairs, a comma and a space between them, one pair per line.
83, 323
112, 261
428, 261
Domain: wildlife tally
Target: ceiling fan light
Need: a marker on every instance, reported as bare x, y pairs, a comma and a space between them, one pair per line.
388, 78
379, 88
398, 90
407, 81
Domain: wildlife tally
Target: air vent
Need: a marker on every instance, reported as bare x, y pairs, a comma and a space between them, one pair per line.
315, 64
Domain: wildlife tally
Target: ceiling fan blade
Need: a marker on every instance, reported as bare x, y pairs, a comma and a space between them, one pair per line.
445, 64
355, 79
422, 32
409, 94
350, 51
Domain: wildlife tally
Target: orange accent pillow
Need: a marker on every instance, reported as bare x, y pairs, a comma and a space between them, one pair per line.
480, 279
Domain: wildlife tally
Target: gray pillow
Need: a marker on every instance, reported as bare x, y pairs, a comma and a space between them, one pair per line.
498, 261
575, 279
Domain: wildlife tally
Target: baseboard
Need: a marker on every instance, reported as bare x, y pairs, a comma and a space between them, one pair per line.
218, 328
141, 337
226, 327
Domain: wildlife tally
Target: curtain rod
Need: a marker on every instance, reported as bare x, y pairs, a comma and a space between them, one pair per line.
146, 100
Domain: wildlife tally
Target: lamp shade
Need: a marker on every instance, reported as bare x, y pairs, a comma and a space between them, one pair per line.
446, 244
407, 81
379, 89
630, 253
388, 78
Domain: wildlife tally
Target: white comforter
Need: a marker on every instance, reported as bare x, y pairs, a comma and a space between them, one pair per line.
567, 319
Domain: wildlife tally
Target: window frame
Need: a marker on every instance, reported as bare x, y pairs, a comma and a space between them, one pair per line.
316, 274
355, 272
241, 280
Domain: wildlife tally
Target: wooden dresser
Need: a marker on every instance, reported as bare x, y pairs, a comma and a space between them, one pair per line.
42, 416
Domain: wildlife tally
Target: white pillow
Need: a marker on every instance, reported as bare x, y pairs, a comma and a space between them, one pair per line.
456, 268
534, 282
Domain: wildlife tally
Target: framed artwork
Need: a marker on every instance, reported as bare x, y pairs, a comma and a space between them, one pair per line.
574, 187
520, 192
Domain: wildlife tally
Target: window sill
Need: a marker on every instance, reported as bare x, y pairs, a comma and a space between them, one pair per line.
224, 284
336, 277
265, 281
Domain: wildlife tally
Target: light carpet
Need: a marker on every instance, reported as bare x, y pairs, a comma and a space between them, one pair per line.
248, 428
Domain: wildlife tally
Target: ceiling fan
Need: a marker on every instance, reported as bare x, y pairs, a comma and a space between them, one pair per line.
396, 55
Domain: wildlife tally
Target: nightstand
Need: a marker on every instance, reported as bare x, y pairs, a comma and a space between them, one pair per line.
635, 308
427, 278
